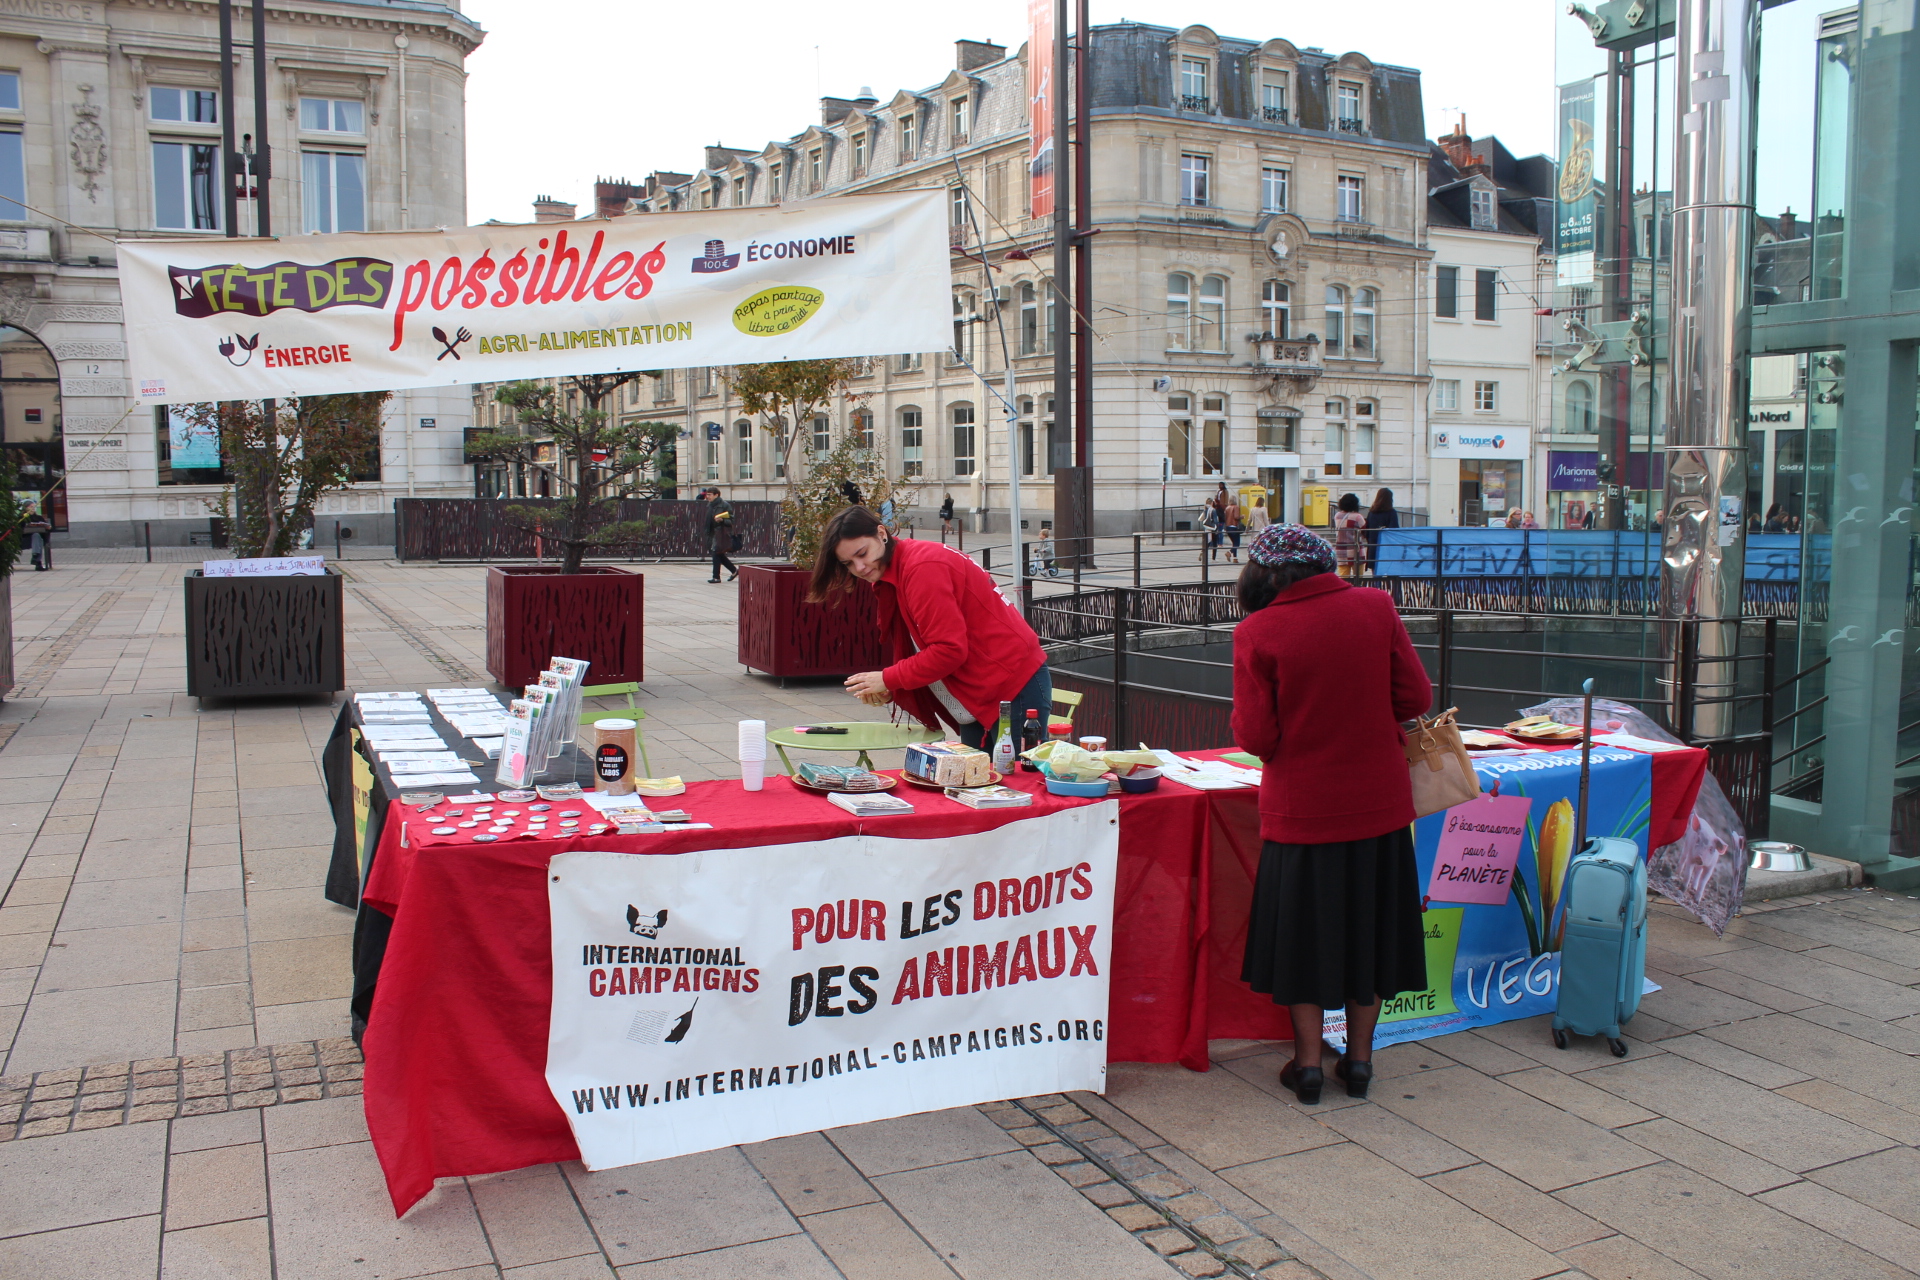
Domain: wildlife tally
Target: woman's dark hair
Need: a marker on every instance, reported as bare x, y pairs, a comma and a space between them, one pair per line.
830, 577
1260, 584
1349, 502
1382, 501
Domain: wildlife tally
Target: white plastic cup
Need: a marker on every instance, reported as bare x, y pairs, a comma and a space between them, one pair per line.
753, 740
753, 774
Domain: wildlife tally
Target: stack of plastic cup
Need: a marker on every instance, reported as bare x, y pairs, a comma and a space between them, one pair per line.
753, 754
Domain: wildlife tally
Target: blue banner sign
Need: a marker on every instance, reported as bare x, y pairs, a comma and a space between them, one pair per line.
1445, 552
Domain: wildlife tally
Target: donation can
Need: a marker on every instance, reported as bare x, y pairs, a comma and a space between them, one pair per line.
614, 749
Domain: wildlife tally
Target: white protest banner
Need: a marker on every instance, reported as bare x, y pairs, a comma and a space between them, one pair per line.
211, 319
264, 567
709, 999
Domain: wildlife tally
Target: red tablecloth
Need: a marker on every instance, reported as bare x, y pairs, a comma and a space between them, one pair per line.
456, 1046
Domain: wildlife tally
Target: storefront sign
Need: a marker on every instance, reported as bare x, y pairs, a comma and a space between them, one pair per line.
243, 319
1575, 471
1465, 440
1493, 959
862, 978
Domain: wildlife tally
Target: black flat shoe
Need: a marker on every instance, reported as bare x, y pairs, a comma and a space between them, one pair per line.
1358, 1075
1306, 1082
733, 575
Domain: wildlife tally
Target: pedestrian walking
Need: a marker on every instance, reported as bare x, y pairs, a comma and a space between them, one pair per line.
1349, 536
1235, 526
1210, 525
1381, 515
946, 517
851, 492
719, 534
1257, 517
1322, 677
38, 527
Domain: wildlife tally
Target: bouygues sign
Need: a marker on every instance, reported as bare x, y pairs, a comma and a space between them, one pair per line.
1456, 440
311, 315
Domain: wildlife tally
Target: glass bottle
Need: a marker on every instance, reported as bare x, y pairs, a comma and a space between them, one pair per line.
1004, 749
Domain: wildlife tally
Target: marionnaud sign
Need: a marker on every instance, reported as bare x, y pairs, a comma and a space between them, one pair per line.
1457, 440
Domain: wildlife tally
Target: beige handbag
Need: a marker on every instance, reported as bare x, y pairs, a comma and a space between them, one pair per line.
1439, 766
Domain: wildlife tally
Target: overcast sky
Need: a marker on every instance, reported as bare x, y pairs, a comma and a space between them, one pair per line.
566, 91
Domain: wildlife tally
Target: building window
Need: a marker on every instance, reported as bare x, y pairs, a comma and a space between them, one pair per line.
1275, 431
743, 450
1273, 190
739, 192
709, 381
816, 168
1195, 170
332, 115
860, 422
333, 191
1023, 412
961, 416
663, 387
962, 352
913, 458
13, 173
1274, 308
1179, 312
1446, 395
779, 448
186, 188
1360, 337
9, 91
1352, 203
909, 145
1480, 201
1213, 435
1347, 104
1333, 454
859, 153
822, 432
1485, 285
959, 119
1336, 335
1486, 397
773, 184
1180, 434
959, 208
1210, 321
1579, 421
710, 461
188, 106
1193, 84
1029, 320
1446, 292
908, 362
1273, 96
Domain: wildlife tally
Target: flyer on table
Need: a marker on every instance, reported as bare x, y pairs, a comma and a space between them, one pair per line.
218, 319
863, 978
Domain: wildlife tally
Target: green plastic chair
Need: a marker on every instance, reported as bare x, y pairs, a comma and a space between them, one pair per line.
631, 711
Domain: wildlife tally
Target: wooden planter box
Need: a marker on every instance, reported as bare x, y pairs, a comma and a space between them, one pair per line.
782, 635
265, 637
536, 613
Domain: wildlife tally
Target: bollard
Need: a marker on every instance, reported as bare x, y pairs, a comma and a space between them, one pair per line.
148, 526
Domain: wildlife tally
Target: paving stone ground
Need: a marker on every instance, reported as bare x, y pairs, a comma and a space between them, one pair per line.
178, 1097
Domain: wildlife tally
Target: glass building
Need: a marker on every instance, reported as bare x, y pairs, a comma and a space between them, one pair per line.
1820, 107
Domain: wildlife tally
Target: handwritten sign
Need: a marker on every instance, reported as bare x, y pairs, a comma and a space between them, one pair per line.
1479, 843
264, 567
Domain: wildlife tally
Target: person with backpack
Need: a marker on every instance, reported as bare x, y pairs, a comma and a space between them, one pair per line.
1349, 535
946, 517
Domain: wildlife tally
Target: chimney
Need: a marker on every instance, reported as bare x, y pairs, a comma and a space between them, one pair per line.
866, 101
547, 209
834, 110
1459, 148
1789, 227
610, 196
968, 54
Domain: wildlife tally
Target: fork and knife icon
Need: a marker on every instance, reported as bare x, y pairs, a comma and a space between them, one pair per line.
459, 336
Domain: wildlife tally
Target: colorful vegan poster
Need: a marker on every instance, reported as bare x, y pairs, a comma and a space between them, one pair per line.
1495, 962
314, 315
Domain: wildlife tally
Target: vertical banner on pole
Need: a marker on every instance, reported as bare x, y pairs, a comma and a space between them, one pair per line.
1041, 157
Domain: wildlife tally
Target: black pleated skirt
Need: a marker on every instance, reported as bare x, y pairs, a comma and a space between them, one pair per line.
1337, 924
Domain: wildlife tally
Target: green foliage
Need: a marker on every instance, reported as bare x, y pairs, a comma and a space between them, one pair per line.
636, 461
14, 514
283, 463
787, 394
817, 498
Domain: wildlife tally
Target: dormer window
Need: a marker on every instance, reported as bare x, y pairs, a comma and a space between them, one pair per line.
1347, 108
909, 145
1482, 204
1273, 96
773, 183
739, 192
816, 168
1194, 89
959, 119
860, 152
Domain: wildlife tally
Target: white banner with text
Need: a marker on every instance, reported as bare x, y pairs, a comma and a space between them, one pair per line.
703, 1000
214, 319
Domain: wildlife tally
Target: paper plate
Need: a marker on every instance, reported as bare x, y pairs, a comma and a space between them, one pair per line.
924, 785
887, 783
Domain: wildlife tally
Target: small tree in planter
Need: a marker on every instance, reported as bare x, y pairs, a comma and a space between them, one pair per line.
284, 462
574, 610
787, 396
821, 494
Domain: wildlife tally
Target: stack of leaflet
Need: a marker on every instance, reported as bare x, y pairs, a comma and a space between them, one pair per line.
474, 713
877, 804
1206, 775
399, 731
840, 777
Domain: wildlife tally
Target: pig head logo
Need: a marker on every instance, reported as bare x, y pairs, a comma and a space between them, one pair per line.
646, 925
244, 345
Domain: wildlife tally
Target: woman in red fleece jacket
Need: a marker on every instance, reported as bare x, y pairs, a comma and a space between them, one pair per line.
1323, 674
959, 649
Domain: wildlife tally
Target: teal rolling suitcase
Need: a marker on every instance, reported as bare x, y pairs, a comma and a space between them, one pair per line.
1603, 960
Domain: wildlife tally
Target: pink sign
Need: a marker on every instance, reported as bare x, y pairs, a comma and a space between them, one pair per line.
1479, 843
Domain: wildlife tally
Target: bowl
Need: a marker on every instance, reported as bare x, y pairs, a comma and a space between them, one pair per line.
1097, 789
1777, 855
1135, 784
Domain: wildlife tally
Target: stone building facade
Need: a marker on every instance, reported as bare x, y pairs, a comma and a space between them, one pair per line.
110, 129
1259, 282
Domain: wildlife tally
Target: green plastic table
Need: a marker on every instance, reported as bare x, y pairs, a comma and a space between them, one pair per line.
861, 735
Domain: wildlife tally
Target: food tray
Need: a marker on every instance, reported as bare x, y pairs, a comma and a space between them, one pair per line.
924, 785
887, 783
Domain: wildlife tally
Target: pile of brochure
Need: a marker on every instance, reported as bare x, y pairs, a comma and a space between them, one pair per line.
541, 724
398, 730
870, 804
989, 797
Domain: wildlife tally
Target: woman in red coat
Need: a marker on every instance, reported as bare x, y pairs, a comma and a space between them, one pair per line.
1323, 674
959, 649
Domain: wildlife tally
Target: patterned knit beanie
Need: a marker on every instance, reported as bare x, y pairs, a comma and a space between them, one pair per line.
1279, 544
